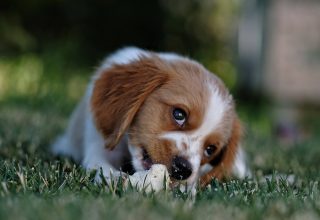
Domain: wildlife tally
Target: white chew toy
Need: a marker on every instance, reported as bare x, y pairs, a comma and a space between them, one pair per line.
155, 179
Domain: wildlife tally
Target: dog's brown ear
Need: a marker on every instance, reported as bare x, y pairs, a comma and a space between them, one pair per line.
120, 91
223, 162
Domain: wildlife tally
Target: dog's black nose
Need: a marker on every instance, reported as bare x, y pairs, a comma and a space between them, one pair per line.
181, 168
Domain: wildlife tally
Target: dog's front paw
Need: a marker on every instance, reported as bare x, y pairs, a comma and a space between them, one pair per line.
109, 177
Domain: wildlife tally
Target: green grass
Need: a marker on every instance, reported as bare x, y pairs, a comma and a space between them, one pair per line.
35, 104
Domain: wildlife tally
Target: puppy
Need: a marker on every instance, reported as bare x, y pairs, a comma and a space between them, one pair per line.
143, 108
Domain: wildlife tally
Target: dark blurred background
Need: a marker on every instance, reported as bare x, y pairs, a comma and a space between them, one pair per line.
81, 33
267, 53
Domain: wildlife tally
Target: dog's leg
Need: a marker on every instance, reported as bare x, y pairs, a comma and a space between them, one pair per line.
95, 155
71, 142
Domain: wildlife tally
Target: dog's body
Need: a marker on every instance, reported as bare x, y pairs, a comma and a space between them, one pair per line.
146, 108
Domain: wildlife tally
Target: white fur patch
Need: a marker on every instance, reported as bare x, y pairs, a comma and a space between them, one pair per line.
204, 169
170, 56
136, 157
130, 54
94, 151
240, 168
217, 106
126, 55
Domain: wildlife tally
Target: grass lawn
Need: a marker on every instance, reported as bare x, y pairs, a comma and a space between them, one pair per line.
35, 103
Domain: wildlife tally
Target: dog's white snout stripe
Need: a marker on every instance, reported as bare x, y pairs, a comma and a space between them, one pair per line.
191, 145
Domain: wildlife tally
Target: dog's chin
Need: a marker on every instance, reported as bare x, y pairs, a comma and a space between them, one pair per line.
146, 160
141, 160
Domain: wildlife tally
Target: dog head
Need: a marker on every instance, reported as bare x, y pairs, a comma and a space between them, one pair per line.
174, 111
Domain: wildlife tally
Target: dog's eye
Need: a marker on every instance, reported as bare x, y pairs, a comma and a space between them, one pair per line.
179, 116
210, 150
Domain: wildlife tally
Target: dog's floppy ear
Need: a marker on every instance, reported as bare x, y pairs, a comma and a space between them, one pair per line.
119, 92
224, 161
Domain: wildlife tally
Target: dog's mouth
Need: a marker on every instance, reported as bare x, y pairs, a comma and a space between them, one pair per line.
146, 160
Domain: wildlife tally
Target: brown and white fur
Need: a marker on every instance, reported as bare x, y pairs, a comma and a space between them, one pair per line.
127, 115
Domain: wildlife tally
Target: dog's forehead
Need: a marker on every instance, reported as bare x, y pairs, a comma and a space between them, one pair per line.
191, 84
186, 78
